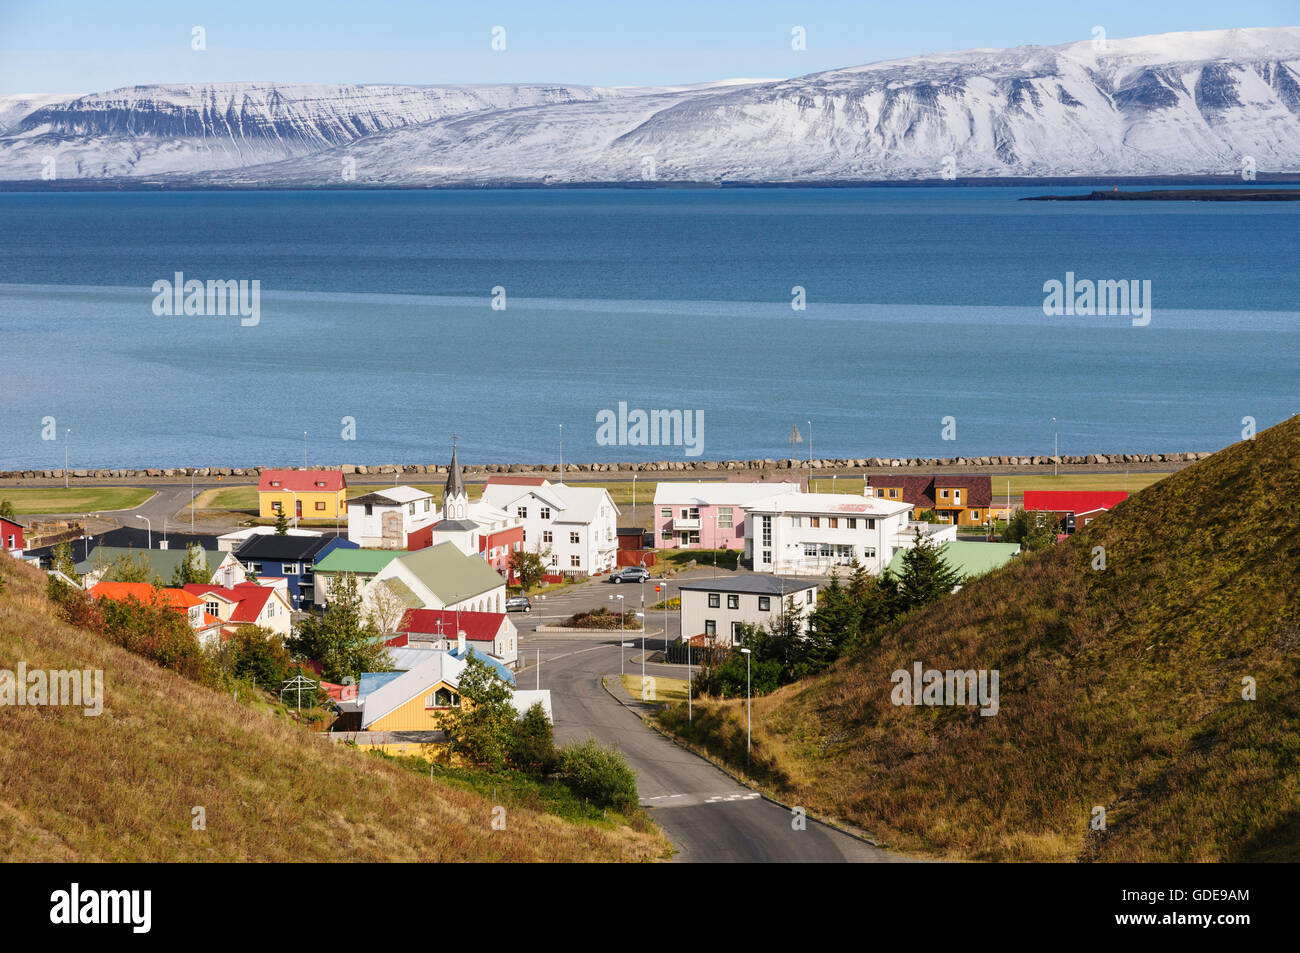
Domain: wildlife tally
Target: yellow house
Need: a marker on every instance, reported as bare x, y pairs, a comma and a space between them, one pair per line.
302, 494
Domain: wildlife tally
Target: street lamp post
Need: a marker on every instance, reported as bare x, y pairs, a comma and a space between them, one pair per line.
149, 528
1054, 447
748, 694
304, 450
633, 499
66, 483
810, 486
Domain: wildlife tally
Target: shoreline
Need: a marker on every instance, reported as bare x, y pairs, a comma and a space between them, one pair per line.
657, 470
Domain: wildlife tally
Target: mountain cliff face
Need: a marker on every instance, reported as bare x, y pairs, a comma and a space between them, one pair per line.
1180, 103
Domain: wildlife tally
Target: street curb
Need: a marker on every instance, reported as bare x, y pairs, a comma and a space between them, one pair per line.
816, 818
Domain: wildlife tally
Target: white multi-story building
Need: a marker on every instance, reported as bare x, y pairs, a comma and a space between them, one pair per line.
717, 608
814, 533
385, 519
575, 525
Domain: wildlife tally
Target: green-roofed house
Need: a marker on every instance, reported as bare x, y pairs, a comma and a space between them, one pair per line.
971, 558
442, 577
223, 568
364, 564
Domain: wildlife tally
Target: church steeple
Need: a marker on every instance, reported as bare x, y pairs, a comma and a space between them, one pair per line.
455, 501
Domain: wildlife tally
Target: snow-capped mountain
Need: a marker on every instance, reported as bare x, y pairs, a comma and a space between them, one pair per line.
1178, 103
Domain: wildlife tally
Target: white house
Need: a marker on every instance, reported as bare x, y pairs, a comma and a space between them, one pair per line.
229, 542
442, 577
385, 519
813, 533
575, 525
716, 608
475, 528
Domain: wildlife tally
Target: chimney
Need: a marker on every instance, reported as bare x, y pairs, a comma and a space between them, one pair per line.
460, 644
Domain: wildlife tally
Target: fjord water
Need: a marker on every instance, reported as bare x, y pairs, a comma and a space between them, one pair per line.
922, 304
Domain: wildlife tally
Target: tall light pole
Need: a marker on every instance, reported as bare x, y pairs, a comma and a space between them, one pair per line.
634, 501
192, 500
1054, 446
810, 485
748, 694
561, 453
304, 450
66, 483
295, 508
149, 528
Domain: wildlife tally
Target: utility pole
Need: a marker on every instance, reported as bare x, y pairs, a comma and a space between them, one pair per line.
66, 483
304, 450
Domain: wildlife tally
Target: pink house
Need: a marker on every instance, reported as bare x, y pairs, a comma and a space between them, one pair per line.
707, 515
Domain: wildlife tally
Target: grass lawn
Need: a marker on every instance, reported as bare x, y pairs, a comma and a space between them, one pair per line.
81, 499
679, 559
660, 689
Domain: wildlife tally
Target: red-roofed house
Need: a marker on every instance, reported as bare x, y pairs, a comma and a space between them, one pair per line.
492, 633
1076, 508
205, 625
303, 494
11, 536
245, 604
515, 481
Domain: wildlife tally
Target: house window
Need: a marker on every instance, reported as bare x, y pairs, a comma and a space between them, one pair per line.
767, 537
320, 506
573, 537
853, 523
523, 534
871, 524
943, 494
275, 483
555, 560
369, 510
715, 600
320, 483
893, 494
426, 506
767, 557
666, 512
575, 561
289, 569
834, 522
880, 491
726, 518
547, 536
815, 522
276, 505
442, 698
521, 512
546, 512
411, 509
868, 552
254, 567
764, 603
212, 608
975, 514
735, 632
733, 602
710, 627
796, 522
810, 597
810, 549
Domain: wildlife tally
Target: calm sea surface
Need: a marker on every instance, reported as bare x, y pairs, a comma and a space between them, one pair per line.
922, 304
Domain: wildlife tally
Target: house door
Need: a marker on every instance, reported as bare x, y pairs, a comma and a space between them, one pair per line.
297, 506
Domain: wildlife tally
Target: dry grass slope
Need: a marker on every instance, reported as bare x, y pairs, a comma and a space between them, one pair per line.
1120, 688
120, 787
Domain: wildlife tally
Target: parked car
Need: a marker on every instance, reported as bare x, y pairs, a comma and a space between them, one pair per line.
630, 574
518, 604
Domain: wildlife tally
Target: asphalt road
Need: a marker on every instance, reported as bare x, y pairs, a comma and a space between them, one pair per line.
708, 816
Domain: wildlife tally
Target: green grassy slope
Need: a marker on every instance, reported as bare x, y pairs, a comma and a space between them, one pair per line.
122, 786
1120, 688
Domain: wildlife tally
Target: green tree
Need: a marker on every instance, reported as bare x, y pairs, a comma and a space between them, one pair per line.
926, 576
281, 522
1032, 529
343, 639
127, 567
259, 654
528, 568
533, 747
192, 569
598, 774
7, 510
62, 560
483, 731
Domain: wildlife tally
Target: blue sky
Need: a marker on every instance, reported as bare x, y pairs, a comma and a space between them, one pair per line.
87, 45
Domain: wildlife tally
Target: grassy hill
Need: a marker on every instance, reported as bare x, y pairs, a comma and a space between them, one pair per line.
121, 786
1120, 688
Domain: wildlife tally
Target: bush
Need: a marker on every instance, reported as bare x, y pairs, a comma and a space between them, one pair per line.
603, 618
598, 774
159, 634
533, 748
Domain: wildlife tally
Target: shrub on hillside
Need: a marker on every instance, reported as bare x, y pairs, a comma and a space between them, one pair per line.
158, 633
533, 749
598, 774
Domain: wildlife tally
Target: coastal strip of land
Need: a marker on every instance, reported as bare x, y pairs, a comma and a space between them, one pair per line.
1175, 195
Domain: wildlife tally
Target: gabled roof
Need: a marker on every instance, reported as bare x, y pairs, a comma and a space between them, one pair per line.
146, 594
162, 562
499, 480
278, 548
504, 495
450, 574
249, 598
581, 502
719, 493
439, 667
921, 489
362, 561
393, 496
447, 624
760, 584
833, 504
1073, 501
301, 481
